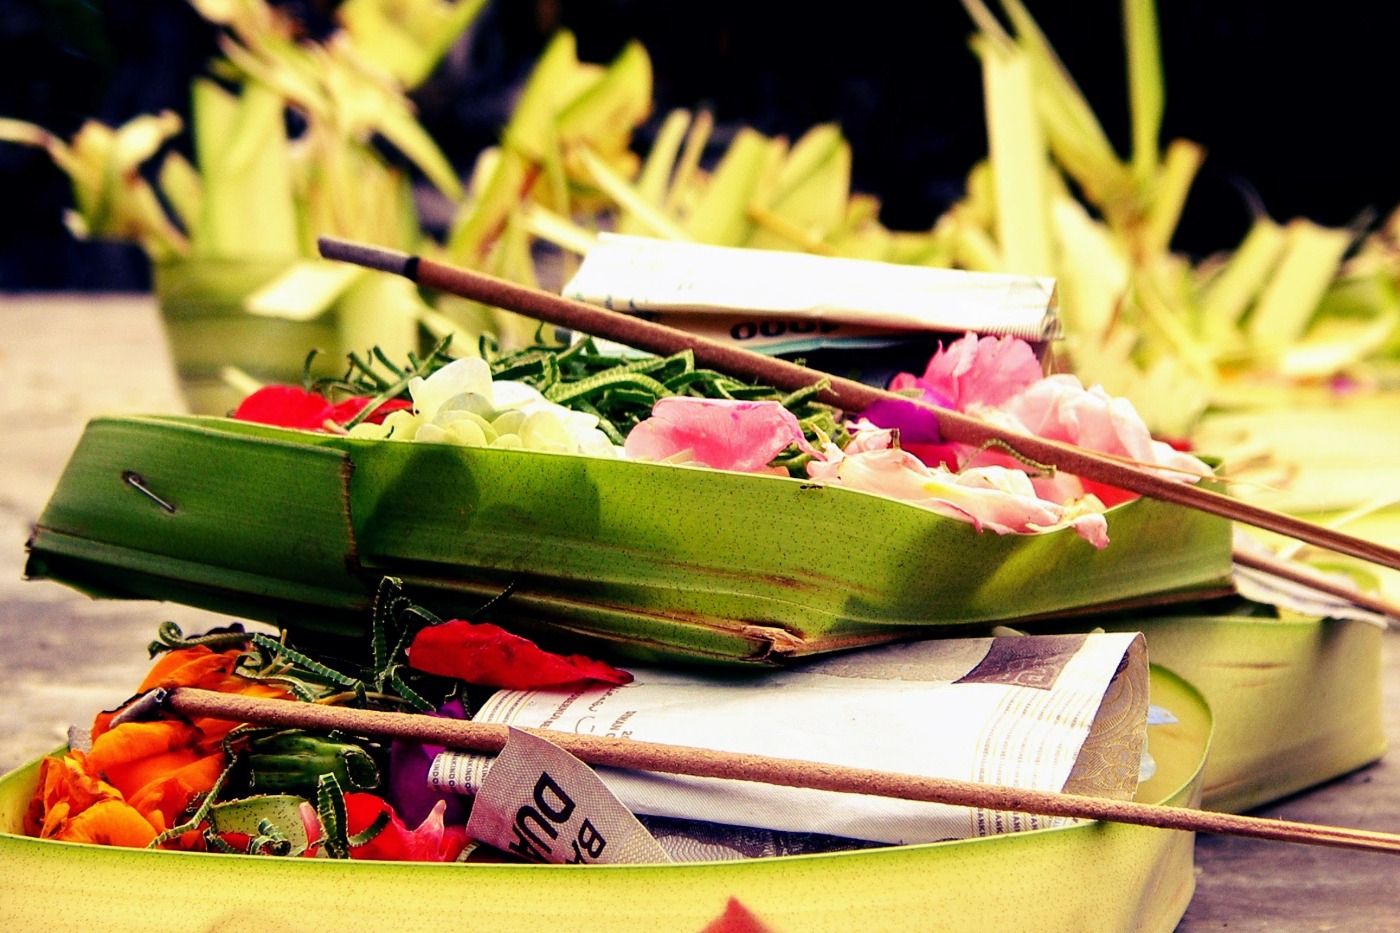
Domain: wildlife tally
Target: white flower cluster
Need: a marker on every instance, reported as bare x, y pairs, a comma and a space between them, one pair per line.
461, 404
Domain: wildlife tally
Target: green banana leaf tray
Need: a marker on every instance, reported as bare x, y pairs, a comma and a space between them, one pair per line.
1296, 702
1124, 878
654, 562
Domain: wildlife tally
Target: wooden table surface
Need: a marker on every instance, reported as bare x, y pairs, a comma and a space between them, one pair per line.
63, 657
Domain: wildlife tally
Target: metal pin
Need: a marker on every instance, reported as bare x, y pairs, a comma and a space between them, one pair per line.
135, 481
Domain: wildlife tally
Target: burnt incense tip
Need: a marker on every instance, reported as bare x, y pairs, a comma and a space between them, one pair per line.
363, 254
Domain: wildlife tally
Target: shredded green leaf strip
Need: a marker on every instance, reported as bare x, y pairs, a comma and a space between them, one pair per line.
201, 812
330, 807
402, 688
596, 385
379, 824
305, 662
170, 637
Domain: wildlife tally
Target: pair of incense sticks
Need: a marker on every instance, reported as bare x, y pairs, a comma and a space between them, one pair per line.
850, 396
703, 762
846, 394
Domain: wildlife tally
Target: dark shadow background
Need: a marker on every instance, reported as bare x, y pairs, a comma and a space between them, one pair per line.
1293, 104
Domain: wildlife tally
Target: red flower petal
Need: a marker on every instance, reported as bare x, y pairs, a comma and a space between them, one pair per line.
489, 656
285, 407
736, 919
430, 842
344, 411
294, 407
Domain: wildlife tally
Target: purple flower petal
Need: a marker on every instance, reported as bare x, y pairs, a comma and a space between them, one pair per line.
915, 423
408, 789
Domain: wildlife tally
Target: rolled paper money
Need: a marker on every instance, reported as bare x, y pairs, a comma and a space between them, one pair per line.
1051, 713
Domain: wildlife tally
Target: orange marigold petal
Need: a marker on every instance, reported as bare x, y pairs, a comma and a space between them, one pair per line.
128, 755
72, 805
131, 777
186, 667
110, 823
162, 801
51, 788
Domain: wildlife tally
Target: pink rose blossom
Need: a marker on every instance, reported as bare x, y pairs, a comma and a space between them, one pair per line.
1059, 408
1000, 381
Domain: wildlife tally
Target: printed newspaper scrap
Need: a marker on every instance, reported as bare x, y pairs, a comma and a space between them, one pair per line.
1052, 712
782, 302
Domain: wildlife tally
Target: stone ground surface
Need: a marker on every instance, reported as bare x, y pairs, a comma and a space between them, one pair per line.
64, 359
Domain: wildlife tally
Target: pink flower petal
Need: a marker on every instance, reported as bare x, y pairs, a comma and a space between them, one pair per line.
999, 380
1061, 409
969, 372
720, 433
993, 498
975, 371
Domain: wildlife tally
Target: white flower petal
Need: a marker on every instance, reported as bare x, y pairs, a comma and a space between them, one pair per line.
470, 375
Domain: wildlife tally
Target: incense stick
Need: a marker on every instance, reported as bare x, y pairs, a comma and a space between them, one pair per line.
786, 772
846, 394
1306, 576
